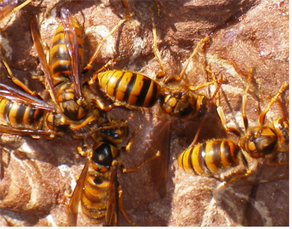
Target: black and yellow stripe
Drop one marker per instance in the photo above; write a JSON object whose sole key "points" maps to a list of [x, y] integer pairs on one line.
{"points": [[97, 185], [62, 71], [19, 115], [59, 59], [210, 158], [128, 88], [95, 195]]}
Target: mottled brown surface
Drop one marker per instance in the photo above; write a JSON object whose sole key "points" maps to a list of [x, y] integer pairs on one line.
{"points": [[246, 34]]}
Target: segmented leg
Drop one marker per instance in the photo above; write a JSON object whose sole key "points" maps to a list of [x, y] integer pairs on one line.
{"points": [[95, 75], [274, 99], [223, 121], [93, 57], [133, 169], [130, 141], [244, 99], [204, 40], [122, 210], [244, 118], [162, 73], [158, 8], [17, 81], [208, 105]]}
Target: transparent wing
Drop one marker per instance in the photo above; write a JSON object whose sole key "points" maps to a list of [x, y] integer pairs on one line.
{"points": [[76, 195]]}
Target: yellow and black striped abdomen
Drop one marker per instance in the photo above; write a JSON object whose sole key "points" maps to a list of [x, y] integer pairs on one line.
{"points": [[62, 67], [99, 182], [128, 88], [210, 158], [59, 58], [94, 199], [19, 115]]}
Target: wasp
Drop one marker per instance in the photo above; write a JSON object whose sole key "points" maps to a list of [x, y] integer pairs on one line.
{"points": [[23, 113], [263, 140], [97, 188], [217, 157], [134, 90], [63, 74]]}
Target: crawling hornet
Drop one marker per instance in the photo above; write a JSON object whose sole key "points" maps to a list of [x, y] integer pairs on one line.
{"points": [[135, 90], [63, 79], [216, 157], [97, 189]]}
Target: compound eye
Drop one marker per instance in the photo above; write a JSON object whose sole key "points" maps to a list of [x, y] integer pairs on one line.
{"points": [[102, 155]]}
